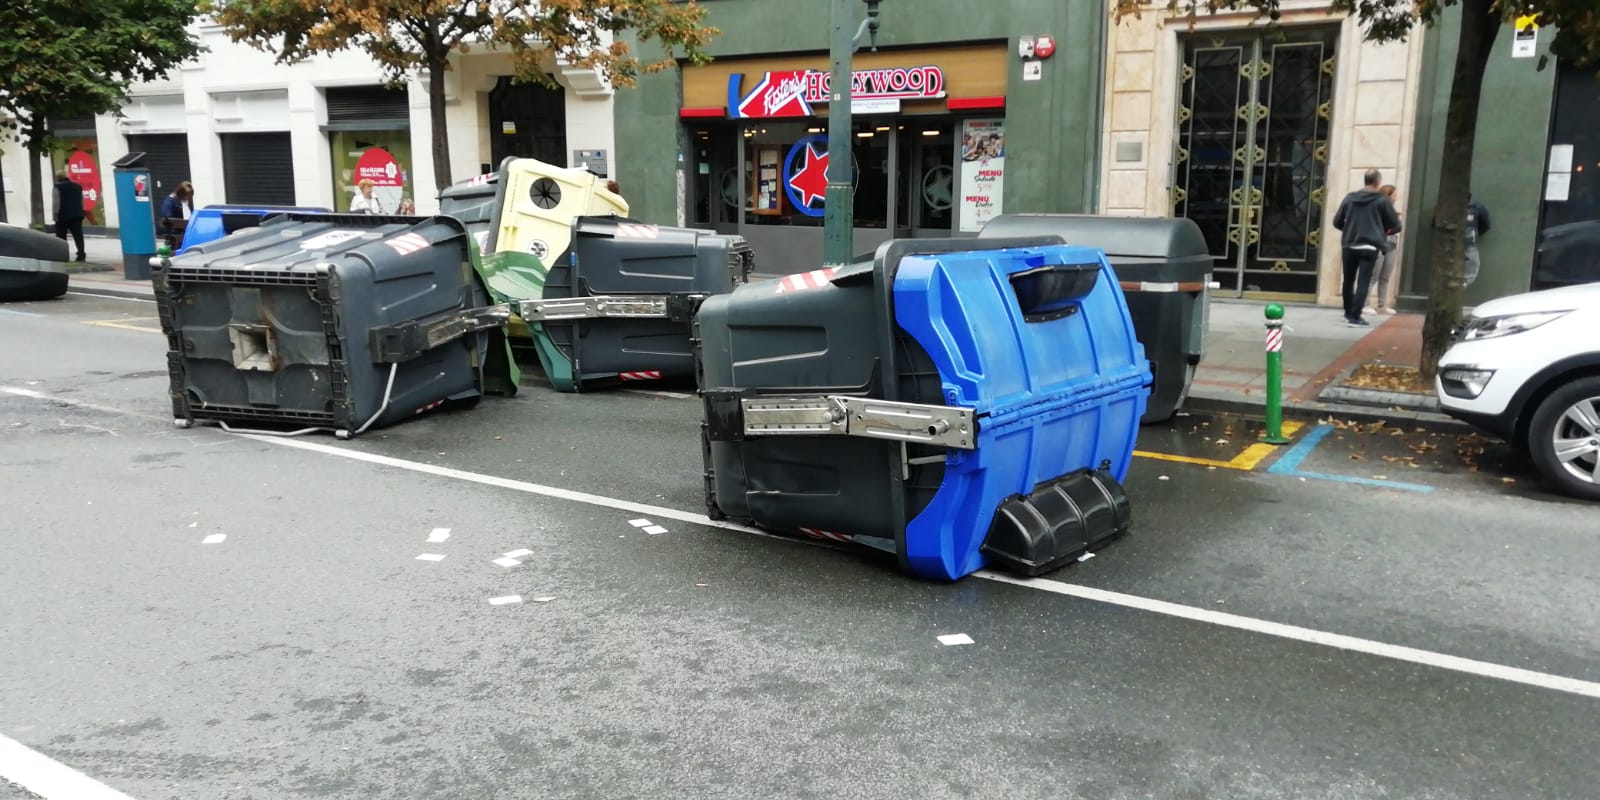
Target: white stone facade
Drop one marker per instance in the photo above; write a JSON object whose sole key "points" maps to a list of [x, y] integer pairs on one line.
{"points": [[235, 88], [1374, 108]]}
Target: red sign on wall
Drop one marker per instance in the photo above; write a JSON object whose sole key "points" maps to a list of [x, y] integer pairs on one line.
{"points": [[83, 170], [791, 93]]}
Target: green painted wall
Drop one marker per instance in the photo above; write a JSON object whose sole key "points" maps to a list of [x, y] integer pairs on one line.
{"points": [[1052, 125], [1507, 167]]}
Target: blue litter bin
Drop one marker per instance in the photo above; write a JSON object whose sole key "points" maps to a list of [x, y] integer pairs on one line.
{"points": [[957, 408], [136, 215]]}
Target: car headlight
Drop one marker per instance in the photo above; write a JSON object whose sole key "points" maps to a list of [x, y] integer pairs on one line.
{"points": [[1490, 327]]}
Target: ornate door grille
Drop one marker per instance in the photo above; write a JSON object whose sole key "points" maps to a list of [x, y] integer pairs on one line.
{"points": [[1251, 161]]}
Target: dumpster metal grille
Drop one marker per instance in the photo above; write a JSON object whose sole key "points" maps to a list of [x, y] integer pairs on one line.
{"points": [[245, 277]]}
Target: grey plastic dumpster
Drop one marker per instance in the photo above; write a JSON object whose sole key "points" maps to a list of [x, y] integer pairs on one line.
{"points": [[1164, 267], [32, 264], [327, 322]]}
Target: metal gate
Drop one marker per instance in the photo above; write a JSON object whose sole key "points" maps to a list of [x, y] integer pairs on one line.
{"points": [[1251, 160], [166, 155]]}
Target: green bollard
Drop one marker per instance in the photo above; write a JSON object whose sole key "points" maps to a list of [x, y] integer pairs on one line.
{"points": [[1274, 376]]}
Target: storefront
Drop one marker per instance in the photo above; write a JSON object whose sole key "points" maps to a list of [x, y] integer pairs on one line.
{"points": [[928, 146], [369, 133], [75, 147]]}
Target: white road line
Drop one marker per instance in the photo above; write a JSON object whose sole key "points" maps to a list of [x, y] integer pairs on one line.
{"points": [[1296, 633], [33, 395], [1202, 615], [660, 393], [514, 485], [49, 778]]}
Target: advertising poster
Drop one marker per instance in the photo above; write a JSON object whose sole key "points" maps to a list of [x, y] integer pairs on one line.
{"points": [[81, 161], [382, 159], [983, 171]]}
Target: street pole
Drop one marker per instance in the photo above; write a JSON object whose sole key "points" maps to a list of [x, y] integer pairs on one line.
{"points": [[1274, 433], [839, 211]]}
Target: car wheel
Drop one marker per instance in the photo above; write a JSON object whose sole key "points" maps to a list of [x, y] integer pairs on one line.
{"points": [[1564, 438]]}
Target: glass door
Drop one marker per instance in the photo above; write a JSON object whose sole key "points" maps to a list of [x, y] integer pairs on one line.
{"points": [[925, 204], [1250, 165]]}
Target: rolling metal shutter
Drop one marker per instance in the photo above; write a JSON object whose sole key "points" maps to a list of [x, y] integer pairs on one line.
{"points": [[258, 168], [166, 155], [351, 107]]}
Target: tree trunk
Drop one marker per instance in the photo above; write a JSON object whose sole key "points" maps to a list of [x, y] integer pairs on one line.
{"points": [[1480, 25], [441, 135], [36, 151]]}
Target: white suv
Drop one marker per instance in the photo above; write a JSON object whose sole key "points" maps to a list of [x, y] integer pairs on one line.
{"points": [[1526, 368]]}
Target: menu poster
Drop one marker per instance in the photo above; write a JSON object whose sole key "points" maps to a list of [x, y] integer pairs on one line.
{"points": [[983, 171]]}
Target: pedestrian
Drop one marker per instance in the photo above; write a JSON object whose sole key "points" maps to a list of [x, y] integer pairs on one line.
{"points": [[1385, 271], [176, 209], [365, 202], [68, 207], [1365, 219], [1477, 225]]}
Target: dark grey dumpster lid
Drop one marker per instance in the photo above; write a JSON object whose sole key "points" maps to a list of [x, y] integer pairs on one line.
{"points": [[1138, 237]]}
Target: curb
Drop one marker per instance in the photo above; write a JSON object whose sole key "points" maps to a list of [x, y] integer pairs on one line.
{"points": [[1437, 423], [98, 290]]}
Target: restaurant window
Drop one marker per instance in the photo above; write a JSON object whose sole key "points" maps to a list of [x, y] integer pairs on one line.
{"points": [[785, 172]]}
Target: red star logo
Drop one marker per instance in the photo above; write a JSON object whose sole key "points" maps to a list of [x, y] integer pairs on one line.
{"points": [[811, 180]]}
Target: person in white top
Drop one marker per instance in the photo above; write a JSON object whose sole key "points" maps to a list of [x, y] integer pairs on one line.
{"points": [[365, 202]]}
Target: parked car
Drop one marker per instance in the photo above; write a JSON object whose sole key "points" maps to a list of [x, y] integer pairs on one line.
{"points": [[1568, 254], [1526, 368]]}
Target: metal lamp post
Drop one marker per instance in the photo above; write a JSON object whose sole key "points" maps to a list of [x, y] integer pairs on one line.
{"points": [[837, 219]]}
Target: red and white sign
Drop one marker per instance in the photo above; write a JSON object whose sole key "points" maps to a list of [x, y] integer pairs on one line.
{"points": [[815, 279], [791, 93], [1044, 47], [83, 170], [646, 375], [408, 243], [628, 230], [378, 166]]}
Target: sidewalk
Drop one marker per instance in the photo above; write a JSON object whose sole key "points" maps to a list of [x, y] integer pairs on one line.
{"points": [[1319, 349]]}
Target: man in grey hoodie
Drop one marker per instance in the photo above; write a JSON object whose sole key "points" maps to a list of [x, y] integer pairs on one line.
{"points": [[1366, 218]]}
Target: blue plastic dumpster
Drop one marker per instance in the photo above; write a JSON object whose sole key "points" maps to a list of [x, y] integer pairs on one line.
{"points": [[211, 223], [958, 408]]}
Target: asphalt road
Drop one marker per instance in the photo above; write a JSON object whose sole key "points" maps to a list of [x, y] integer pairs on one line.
{"points": [[311, 654]]}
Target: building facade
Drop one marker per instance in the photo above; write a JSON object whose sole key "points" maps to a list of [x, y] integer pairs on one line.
{"points": [[245, 130], [1535, 166], [1256, 133], [950, 125]]}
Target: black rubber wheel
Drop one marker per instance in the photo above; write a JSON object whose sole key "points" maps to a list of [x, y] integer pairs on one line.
{"points": [[1564, 438]]}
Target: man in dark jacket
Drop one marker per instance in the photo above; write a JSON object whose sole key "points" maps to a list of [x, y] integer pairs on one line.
{"points": [[1366, 218], [69, 210]]}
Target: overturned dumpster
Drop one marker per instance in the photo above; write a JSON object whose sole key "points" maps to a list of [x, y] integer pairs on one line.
{"points": [[322, 322], [32, 264], [1164, 267], [606, 299], [958, 408]]}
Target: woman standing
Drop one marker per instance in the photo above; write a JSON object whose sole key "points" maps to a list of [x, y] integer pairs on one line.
{"points": [[1386, 264], [365, 202]]}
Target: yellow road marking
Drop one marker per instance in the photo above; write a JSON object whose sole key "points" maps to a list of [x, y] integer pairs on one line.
{"points": [[117, 323], [1245, 461]]}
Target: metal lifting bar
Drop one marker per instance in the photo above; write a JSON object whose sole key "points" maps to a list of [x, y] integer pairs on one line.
{"points": [[837, 415], [676, 307]]}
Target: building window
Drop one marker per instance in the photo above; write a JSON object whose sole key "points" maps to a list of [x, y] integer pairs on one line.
{"points": [[784, 174]]}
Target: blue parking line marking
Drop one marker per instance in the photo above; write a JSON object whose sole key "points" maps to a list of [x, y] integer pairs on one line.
{"points": [[1291, 460], [1289, 465]]}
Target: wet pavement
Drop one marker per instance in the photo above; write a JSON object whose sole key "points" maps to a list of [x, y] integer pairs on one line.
{"points": [[311, 653]]}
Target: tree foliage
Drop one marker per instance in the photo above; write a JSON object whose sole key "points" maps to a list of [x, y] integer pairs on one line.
{"points": [[76, 58], [408, 36], [1576, 24]]}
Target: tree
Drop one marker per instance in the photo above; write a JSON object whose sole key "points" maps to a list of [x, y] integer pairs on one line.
{"points": [[404, 36], [1577, 40], [76, 58]]}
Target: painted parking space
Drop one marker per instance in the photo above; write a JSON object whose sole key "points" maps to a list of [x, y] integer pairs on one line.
{"points": [[1211, 441]]}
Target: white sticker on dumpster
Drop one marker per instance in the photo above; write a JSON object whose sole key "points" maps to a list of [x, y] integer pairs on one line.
{"points": [[329, 240]]}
